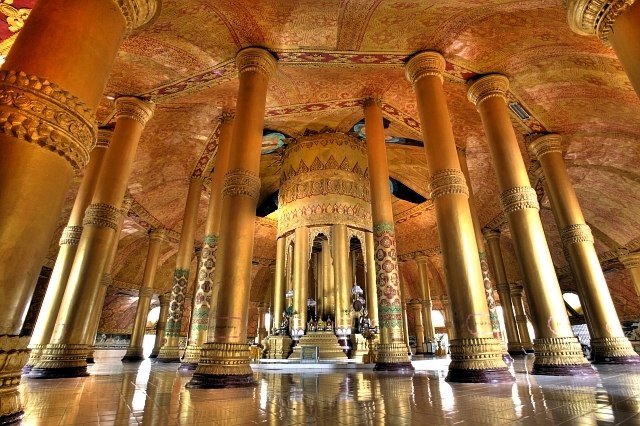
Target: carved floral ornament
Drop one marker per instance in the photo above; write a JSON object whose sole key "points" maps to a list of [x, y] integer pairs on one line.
{"points": [[595, 17], [138, 13], [425, 64]]}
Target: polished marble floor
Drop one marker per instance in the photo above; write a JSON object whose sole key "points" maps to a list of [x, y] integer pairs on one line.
{"points": [[154, 394]]}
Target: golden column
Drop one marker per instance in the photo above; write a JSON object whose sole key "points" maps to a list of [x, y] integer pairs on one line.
{"points": [[417, 318], [134, 351], [615, 22], [300, 281], [170, 351], [51, 83], [476, 356], [514, 346], [224, 360], [96, 309], [65, 355], [608, 343], [342, 284], [68, 246], [372, 290], [448, 317], [279, 289], [205, 295], [165, 300], [558, 351], [392, 353], [482, 254], [521, 317], [425, 293], [329, 280], [262, 331], [631, 262]]}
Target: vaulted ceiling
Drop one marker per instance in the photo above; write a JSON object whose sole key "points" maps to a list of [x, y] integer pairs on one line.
{"points": [[332, 53]]}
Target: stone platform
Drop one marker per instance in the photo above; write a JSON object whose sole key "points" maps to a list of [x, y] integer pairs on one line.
{"points": [[325, 341]]}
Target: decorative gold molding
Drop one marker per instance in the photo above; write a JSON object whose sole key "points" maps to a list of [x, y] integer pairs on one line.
{"points": [[241, 183], [134, 109], [13, 356], [138, 13], [630, 260], [104, 138], [490, 234], [577, 233], [546, 144], [518, 198], [146, 292], [102, 215], [595, 17], [447, 182], [258, 60], [424, 64], [487, 86], [71, 235], [476, 354], [36, 110], [157, 234]]}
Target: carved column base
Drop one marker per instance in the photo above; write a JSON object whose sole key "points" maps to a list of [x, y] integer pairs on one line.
{"points": [[477, 360], [560, 357], [133, 355], [613, 350], [393, 357], [191, 358], [223, 365], [90, 358], [34, 357], [60, 360], [13, 356], [168, 354], [516, 349]]}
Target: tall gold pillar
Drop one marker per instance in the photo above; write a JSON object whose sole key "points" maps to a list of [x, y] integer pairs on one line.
{"points": [[65, 355], [514, 346], [96, 309], [615, 22], [416, 307], [392, 353], [558, 351], [205, 296], [425, 293], [224, 360], [372, 290], [608, 343], [68, 247], [51, 83], [279, 301], [631, 262], [165, 300], [300, 281], [476, 355], [134, 351], [342, 284], [329, 281], [262, 331], [170, 351], [521, 317], [448, 317], [482, 254]]}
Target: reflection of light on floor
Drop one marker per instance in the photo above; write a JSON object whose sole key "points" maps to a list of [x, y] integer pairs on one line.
{"points": [[263, 394], [140, 393]]}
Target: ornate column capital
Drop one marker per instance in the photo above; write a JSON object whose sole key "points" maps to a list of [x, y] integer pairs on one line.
{"points": [[594, 17], [256, 59], [134, 109], [629, 260], [371, 99], [421, 259], [157, 234], [518, 198], [491, 234], [104, 137], [487, 86], [101, 215], [516, 289], [424, 64], [138, 13], [164, 299], [576, 233], [127, 202], [241, 183], [447, 182], [146, 292], [226, 116], [71, 235], [546, 144]]}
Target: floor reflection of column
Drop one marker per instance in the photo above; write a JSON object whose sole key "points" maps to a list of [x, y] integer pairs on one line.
{"points": [[159, 399], [127, 389]]}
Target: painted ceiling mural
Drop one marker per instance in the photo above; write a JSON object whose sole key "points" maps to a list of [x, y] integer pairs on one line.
{"points": [[332, 53]]}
